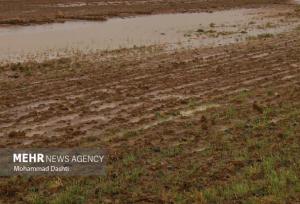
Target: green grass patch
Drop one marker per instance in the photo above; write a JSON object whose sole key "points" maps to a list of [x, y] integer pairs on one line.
{"points": [[74, 194]]}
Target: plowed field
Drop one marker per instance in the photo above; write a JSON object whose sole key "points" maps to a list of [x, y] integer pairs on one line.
{"points": [[202, 125]]}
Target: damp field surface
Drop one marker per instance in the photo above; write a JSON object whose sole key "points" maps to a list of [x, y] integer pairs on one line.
{"points": [[215, 119]]}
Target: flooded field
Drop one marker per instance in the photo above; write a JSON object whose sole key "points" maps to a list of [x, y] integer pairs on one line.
{"points": [[19, 12], [171, 30], [198, 102]]}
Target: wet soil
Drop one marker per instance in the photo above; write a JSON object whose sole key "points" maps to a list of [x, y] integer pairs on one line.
{"points": [[146, 100], [47, 100], [203, 125]]}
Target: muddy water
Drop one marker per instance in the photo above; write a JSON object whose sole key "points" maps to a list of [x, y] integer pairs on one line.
{"points": [[17, 43]]}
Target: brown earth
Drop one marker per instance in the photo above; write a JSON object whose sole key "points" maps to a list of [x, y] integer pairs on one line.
{"points": [[184, 115], [68, 96], [207, 125], [45, 11]]}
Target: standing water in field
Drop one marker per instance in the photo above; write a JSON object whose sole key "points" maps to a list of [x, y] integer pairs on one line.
{"points": [[186, 30]]}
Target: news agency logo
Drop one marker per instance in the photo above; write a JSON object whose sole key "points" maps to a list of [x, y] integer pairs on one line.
{"points": [[56, 161], [28, 158], [42, 158]]}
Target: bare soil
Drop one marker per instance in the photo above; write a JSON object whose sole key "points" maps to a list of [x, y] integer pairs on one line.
{"points": [[185, 118], [204, 125]]}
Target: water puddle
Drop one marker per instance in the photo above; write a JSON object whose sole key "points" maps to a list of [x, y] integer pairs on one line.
{"points": [[184, 113], [190, 112], [173, 30], [297, 1], [106, 3]]}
